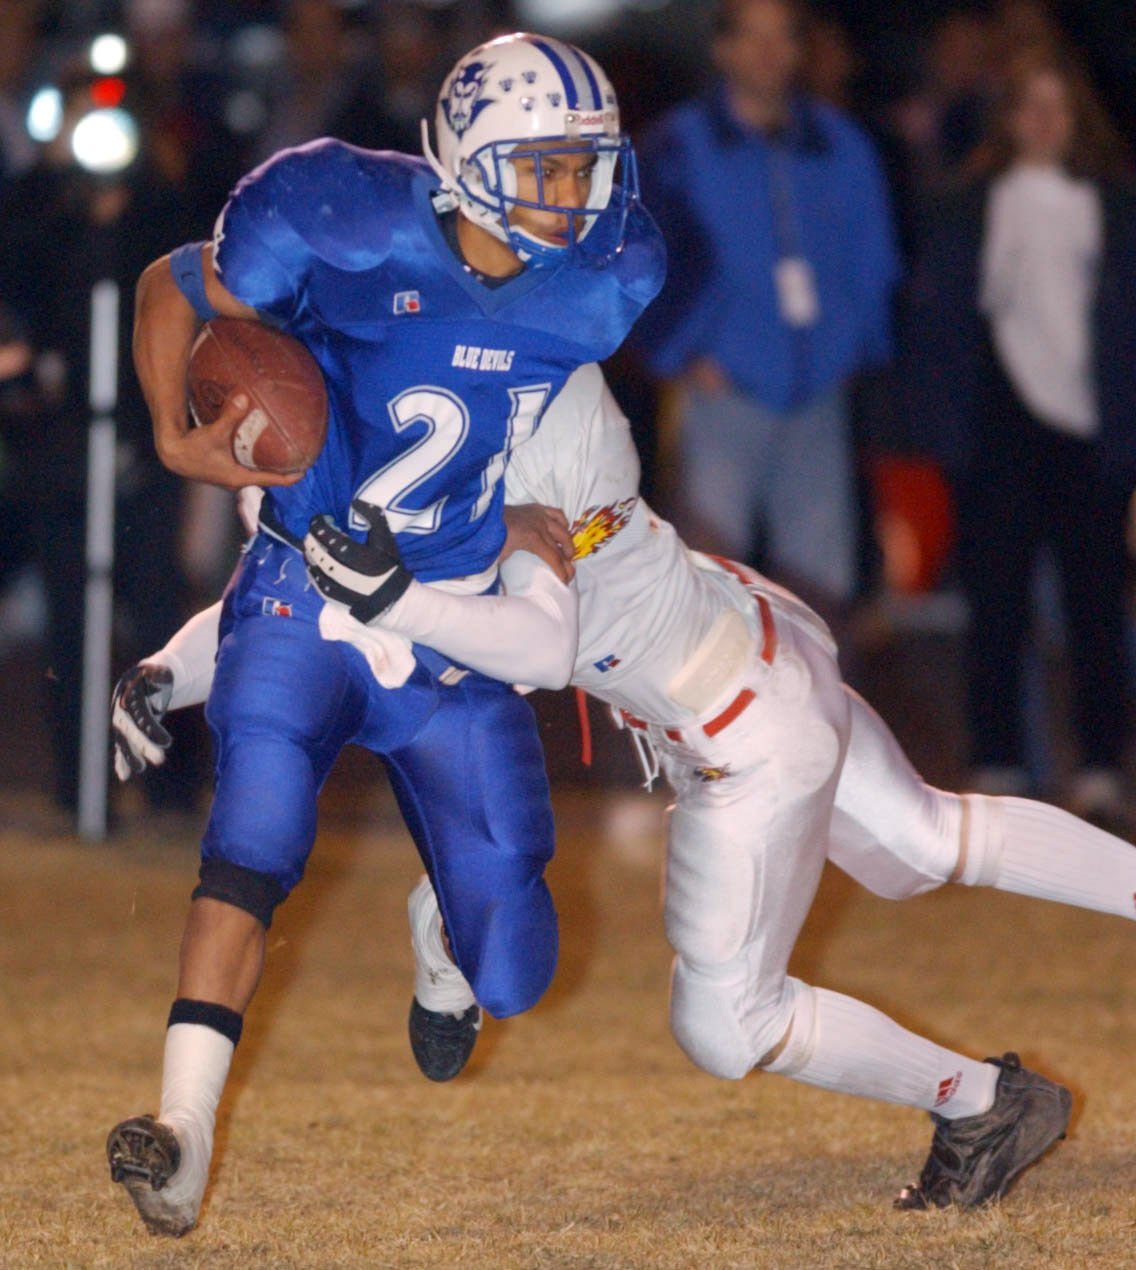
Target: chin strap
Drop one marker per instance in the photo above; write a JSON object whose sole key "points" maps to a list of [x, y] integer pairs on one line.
{"points": [[433, 160], [447, 199]]}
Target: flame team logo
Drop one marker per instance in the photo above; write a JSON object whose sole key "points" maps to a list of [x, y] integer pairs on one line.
{"points": [[464, 102], [598, 526], [708, 774]]}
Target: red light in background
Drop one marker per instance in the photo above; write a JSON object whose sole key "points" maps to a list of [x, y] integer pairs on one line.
{"points": [[108, 92]]}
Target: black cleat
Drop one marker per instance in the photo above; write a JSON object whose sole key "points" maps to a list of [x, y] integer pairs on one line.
{"points": [[143, 1155], [443, 1033], [442, 1043], [143, 1149], [975, 1159]]}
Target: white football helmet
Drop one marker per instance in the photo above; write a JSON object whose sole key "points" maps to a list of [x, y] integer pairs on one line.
{"points": [[516, 90]]}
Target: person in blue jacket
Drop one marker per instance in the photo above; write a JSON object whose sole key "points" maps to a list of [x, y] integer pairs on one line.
{"points": [[782, 262]]}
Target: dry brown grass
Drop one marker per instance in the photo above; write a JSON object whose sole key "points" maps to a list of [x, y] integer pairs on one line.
{"points": [[580, 1136]]}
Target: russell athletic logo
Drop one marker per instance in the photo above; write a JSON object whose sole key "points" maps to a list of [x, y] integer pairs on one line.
{"points": [[948, 1087]]}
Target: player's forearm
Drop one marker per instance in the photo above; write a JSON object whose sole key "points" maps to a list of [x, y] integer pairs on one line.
{"points": [[165, 324], [528, 636], [164, 328], [190, 655]]}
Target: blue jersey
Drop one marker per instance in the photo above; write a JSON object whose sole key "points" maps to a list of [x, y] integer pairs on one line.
{"points": [[432, 377]]}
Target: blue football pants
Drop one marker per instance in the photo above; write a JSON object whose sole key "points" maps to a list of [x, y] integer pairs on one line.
{"points": [[464, 761]]}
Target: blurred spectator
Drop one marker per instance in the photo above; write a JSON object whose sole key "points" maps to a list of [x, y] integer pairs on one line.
{"points": [[318, 76], [411, 48], [19, 41], [939, 123], [1020, 353], [831, 64], [179, 98], [781, 267], [224, 17], [1025, 27], [15, 362], [63, 229], [180, 92]]}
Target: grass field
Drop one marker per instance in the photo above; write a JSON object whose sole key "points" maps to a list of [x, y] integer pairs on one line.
{"points": [[579, 1136]]}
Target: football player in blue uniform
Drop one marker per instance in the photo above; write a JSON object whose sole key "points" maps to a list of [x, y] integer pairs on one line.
{"points": [[446, 300]]}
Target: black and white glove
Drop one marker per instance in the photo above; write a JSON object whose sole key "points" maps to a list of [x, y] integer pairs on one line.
{"points": [[366, 577], [137, 707]]}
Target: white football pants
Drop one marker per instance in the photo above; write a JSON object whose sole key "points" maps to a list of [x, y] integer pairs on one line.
{"points": [[807, 772]]}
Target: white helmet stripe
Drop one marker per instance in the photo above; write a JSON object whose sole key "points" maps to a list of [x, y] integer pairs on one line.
{"points": [[582, 92]]}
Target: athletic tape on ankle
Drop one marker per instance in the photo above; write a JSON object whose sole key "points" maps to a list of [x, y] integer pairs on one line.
{"points": [[982, 836], [795, 1049], [218, 1017]]}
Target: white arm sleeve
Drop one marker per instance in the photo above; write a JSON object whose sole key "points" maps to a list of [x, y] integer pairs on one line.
{"points": [[190, 656], [527, 636]]}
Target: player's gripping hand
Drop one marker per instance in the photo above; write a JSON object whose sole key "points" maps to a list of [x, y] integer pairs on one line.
{"points": [[367, 577], [138, 706], [543, 531], [206, 453]]}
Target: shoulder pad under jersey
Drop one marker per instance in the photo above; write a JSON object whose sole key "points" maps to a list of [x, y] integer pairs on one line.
{"points": [[325, 201]]}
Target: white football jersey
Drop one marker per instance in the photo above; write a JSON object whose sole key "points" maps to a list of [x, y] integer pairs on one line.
{"points": [[646, 602]]}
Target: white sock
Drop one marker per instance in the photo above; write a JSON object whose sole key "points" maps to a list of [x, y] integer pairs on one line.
{"points": [[1032, 848], [438, 984], [839, 1043], [194, 1072]]}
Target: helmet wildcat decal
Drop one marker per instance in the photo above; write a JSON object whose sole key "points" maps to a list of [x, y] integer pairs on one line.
{"points": [[464, 101]]}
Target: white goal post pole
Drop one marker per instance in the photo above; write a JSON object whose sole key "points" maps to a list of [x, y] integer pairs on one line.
{"points": [[98, 598]]}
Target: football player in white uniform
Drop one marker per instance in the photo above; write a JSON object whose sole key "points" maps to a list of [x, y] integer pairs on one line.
{"points": [[730, 685]]}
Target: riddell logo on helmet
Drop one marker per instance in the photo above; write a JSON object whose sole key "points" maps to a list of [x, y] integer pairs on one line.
{"points": [[589, 120]]}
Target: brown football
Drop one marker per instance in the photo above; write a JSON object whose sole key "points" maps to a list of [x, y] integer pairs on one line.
{"points": [[286, 425]]}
